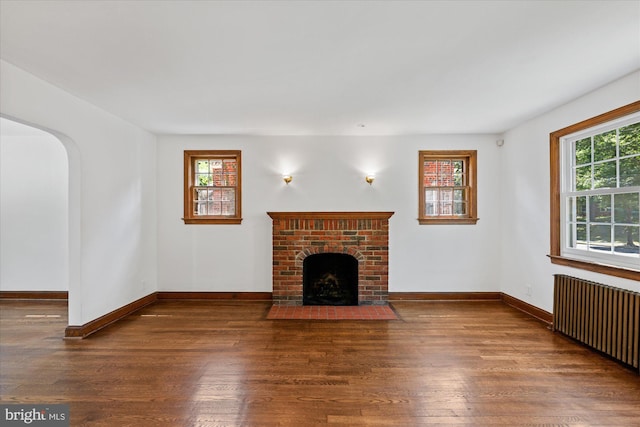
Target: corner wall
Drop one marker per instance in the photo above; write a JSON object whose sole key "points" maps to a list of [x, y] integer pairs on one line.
{"points": [[525, 203], [112, 208]]}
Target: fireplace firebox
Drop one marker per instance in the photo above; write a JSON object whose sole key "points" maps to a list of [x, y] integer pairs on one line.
{"points": [[362, 236], [330, 279]]}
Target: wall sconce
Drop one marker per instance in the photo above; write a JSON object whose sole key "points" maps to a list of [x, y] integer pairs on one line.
{"points": [[369, 179], [287, 178]]}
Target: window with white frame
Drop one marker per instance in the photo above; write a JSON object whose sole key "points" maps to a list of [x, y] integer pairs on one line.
{"points": [[600, 193]]}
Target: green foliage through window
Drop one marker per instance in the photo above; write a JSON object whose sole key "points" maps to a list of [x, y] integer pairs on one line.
{"points": [[605, 210]]}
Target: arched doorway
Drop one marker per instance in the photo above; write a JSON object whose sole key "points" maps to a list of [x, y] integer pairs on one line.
{"points": [[34, 248], [40, 221]]}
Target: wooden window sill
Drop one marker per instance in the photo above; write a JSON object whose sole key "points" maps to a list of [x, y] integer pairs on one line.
{"points": [[212, 220], [435, 221], [625, 273]]}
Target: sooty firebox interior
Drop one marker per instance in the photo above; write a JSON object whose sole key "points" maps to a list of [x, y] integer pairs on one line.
{"points": [[330, 279]]}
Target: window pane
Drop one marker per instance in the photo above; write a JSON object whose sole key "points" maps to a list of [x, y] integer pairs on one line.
{"points": [[430, 208], [458, 173], [459, 208], [431, 195], [202, 166], [459, 195], [581, 236], [229, 172], [583, 151], [600, 237], [430, 173], [630, 171], [201, 208], [215, 209], [630, 139], [600, 208], [445, 173], [216, 172], [228, 208], [604, 146], [203, 180], [446, 208], [583, 178], [581, 208], [604, 175], [627, 239], [626, 208], [228, 195]]}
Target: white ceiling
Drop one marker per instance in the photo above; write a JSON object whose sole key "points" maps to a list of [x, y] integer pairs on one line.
{"points": [[323, 67]]}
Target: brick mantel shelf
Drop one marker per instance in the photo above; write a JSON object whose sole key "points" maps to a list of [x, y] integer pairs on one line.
{"points": [[330, 215], [363, 235]]}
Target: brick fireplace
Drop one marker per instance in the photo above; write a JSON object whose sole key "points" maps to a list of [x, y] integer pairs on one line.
{"points": [[363, 235]]}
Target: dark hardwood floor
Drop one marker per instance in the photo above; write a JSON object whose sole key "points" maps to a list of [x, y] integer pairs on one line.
{"points": [[219, 363]]}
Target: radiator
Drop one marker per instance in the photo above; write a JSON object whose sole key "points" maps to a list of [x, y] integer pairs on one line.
{"points": [[600, 316]]}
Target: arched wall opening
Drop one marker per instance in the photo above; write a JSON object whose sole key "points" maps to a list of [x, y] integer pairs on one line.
{"points": [[40, 220]]}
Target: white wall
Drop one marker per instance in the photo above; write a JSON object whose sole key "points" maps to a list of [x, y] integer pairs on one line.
{"points": [[116, 222], [34, 205], [112, 211], [525, 203], [328, 175]]}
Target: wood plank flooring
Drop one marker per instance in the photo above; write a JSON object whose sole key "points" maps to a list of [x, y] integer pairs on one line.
{"points": [[222, 363]]}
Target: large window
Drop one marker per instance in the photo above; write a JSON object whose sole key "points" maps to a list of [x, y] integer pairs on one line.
{"points": [[212, 187], [447, 187], [595, 216]]}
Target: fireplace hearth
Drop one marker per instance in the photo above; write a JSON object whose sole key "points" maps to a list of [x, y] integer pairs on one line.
{"points": [[362, 237]]}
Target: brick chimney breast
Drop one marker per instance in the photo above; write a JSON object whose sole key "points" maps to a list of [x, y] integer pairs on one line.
{"points": [[364, 235]]}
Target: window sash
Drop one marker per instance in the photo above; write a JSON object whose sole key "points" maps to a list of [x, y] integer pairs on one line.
{"points": [[587, 237], [446, 202]]}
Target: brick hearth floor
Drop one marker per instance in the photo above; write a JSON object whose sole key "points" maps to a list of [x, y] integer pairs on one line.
{"points": [[330, 312]]}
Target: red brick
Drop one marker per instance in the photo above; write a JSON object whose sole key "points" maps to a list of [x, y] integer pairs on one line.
{"points": [[366, 239]]}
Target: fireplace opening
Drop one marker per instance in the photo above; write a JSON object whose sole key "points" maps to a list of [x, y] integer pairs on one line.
{"points": [[330, 279]]}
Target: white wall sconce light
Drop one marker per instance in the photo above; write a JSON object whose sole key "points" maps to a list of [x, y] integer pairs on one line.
{"points": [[369, 179], [287, 179]]}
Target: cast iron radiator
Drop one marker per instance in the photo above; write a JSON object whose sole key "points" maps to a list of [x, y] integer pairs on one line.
{"points": [[600, 316]]}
